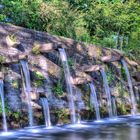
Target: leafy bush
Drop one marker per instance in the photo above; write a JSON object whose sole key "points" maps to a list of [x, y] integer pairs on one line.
{"points": [[58, 89], [91, 21]]}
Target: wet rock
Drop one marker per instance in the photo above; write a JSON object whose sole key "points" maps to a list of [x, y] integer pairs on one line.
{"points": [[91, 68], [136, 76], [110, 58], [57, 103], [44, 47], [130, 62], [12, 90]]}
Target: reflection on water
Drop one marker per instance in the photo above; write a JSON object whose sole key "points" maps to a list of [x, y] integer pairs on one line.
{"points": [[104, 132]]}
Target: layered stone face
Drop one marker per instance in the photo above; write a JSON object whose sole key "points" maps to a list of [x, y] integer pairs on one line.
{"points": [[41, 52]]}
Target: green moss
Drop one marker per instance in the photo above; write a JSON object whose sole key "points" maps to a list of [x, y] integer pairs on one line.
{"points": [[15, 84], [7, 110], [62, 115], [40, 79], [110, 76], [39, 75], [2, 59], [36, 48], [13, 37], [38, 83], [122, 109], [17, 114], [70, 62], [58, 89], [123, 74]]}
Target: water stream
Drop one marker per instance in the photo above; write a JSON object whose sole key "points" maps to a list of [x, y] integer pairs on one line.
{"points": [[68, 84], [132, 96], [3, 106], [108, 94], [114, 106], [46, 111], [27, 89], [94, 100]]}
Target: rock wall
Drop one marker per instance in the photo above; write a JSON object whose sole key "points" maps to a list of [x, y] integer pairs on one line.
{"points": [[41, 51]]}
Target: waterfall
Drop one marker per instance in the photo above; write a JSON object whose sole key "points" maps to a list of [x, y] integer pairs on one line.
{"points": [[27, 89], [46, 111], [114, 106], [108, 94], [132, 96], [3, 106], [94, 101], [69, 84]]}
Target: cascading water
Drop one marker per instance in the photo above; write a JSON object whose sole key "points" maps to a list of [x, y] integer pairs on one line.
{"points": [[27, 89], [94, 100], [46, 111], [47, 84], [3, 106], [114, 106], [132, 96], [79, 103], [69, 84], [108, 94]]}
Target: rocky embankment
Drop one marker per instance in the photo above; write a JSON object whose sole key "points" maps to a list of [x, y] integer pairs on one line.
{"points": [[41, 51]]}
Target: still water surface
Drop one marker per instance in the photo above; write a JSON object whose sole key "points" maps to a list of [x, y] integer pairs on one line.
{"points": [[128, 131]]}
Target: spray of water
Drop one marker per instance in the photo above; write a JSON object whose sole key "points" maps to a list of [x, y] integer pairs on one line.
{"points": [[69, 84], [3, 106], [132, 96], [94, 100], [27, 89], [108, 94], [46, 111]]}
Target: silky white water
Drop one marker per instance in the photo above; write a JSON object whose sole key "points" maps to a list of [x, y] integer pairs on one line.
{"points": [[94, 101], [107, 91], [27, 89], [132, 96], [68, 84], [46, 111], [3, 106]]}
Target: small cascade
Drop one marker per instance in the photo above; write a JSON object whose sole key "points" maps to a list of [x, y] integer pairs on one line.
{"points": [[69, 84], [3, 106], [94, 101], [78, 117], [46, 111], [79, 103], [27, 89], [108, 94], [132, 96], [114, 106]]}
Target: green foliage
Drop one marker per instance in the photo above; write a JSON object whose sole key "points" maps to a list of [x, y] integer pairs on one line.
{"points": [[2, 59], [122, 109], [124, 76], [38, 83], [133, 48], [54, 17], [91, 21], [39, 75], [110, 77], [107, 18], [58, 89], [15, 83], [70, 62], [7, 110], [2, 17], [35, 49], [13, 37], [40, 79], [16, 114], [62, 115]]}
